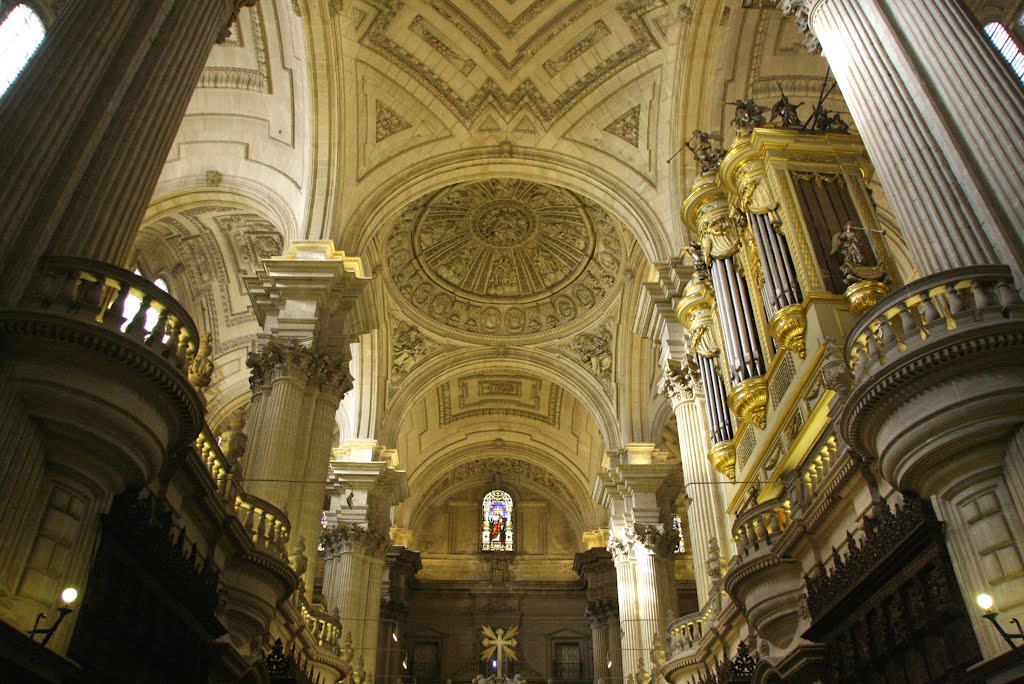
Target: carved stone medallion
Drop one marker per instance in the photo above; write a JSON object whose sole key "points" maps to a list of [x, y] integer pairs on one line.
{"points": [[504, 258]]}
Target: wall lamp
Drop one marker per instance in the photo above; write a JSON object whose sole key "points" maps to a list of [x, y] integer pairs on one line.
{"points": [[985, 602], [67, 597]]}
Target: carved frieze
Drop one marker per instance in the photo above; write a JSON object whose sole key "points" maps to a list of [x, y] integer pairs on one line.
{"points": [[594, 351]]}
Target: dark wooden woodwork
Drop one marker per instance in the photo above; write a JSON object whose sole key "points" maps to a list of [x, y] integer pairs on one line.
{"points": [[890, 609], [148, 614]]}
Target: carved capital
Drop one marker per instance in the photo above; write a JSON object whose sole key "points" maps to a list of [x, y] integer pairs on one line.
{"points": [[350, 537], [290, 359], [680, 381], [236, 6], [658, 541], [801, 10]]}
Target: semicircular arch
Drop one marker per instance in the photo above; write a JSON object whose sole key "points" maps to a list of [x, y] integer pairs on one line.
{"points": [[583, 386]]}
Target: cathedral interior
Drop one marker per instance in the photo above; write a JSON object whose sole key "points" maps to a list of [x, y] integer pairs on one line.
{"points": [[543, 341]]}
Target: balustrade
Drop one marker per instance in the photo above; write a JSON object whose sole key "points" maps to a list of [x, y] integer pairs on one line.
{"points": [[325, 628], [267, 526], [913, 315], [759, 527], [96, 292]]}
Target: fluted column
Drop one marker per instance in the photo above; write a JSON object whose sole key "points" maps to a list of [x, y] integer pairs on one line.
{"points": [[705, 509], [353, 582], [291, 430], [363, 488], [597, 570], [80, 163], [308, 302], [598, 641], [940, 115], [638, 489]]}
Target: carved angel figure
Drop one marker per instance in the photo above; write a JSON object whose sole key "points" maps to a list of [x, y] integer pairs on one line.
{"points": [[849, 245]]}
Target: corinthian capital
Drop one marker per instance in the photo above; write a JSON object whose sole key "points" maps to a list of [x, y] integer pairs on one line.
{"points": [[680, 380], [291, 359], [351, 537], [801, 9], [657, 541]]}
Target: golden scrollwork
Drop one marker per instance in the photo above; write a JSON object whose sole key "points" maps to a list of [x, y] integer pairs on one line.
{"points": [[789, 328], [749, 401], [864, 294]]}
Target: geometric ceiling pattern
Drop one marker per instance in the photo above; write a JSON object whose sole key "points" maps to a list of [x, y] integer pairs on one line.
{"points": [[504, 259], [540, 55]]}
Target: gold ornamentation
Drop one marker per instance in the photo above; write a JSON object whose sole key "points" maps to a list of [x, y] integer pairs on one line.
{"points": [[789, 327], [723, 458], [749, 401], [865, 294]]}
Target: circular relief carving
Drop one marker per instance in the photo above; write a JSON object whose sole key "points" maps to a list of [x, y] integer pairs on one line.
{"points": [[503, 223], [496, 254]]}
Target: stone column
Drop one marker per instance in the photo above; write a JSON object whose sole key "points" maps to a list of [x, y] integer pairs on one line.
{"points": [[353, 573], [308, 304], [89, 124], [638, 490], [940, 115], [597, 570], [363, 488], [705, 509]]}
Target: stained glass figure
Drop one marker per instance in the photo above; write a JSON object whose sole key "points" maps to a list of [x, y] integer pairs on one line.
{"points": [[497, 530]]}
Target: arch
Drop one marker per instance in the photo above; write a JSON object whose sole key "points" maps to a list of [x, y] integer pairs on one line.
{"points": [[584, 387], [473, 467], [172, 198], [376, 211]]}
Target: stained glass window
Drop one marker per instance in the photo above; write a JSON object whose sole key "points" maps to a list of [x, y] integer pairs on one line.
{"points": [[497, 521]]}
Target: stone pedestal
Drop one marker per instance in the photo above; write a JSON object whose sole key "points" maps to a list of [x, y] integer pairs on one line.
{"points": [[940, 115]]}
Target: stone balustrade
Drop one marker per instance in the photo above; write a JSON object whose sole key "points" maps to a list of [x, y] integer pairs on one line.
{"points": [[267, 526], [325, 628], [929, 427], [758, 527], [686, 632], [96, 292], [912, 316], [225, 480]]}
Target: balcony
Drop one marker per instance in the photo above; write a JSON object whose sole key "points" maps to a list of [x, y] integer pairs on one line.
{"points": [[765, 582], [938, 379], [107, 387]]}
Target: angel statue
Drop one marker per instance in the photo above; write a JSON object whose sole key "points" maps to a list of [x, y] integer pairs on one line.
{"points": [[848, 245]]}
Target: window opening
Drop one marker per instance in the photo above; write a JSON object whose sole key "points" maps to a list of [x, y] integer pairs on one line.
{"points": [[20, 35], [1006, 46], [497, 532]]}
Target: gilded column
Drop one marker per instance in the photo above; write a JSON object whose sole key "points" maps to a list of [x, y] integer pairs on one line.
{"points": [[940, 115], [80, 163]]}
